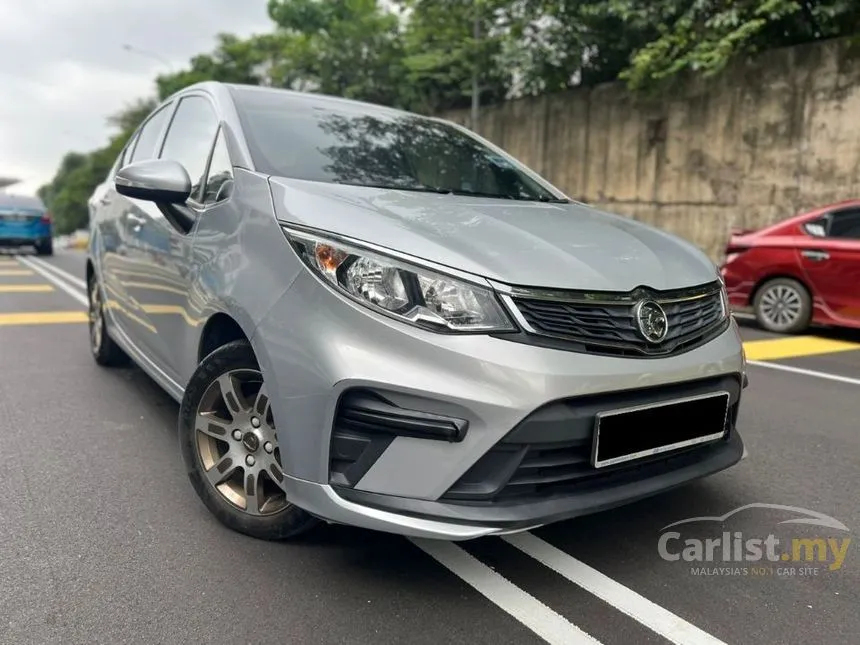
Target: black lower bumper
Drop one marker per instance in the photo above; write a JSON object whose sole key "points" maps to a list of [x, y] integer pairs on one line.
{"points": [[652, 478], [15, 242]]}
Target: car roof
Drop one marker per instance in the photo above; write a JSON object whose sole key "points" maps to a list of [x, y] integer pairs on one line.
{"points": [[11, 200], [312, 100], [231, 91]]}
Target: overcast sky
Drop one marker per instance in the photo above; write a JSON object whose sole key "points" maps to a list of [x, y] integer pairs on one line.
{"points": [[64, 69]]}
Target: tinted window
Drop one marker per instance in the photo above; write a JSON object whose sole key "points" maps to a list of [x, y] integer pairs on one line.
{"points": [[148, 137], [189, 139], [845, 224], [320, 140], [219, 179]]}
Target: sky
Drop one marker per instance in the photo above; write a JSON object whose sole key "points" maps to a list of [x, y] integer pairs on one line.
{"points": [[64, 68]]}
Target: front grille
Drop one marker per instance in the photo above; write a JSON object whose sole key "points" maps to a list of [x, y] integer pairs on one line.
{"points": [[549, 453], [605, 323]]}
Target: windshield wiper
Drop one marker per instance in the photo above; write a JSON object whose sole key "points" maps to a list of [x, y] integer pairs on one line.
{"points": [[421, 188], [415, 188], [475, 193]]}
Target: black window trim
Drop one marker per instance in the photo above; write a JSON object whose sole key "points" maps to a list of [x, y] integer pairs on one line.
{"points": [[169, 107], [192, 203], [204, 207]]}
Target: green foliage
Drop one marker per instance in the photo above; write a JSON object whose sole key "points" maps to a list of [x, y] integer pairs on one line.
{"points": [[441, 54], [703, 36]]}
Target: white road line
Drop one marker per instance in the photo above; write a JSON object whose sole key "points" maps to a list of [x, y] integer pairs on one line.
{"points": [[69, 289], [65, 275], [527, 609], [806, 372], [653, 616]]}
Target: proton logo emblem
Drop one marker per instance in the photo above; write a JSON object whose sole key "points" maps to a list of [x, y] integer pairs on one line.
{"points": [[651, 320]]}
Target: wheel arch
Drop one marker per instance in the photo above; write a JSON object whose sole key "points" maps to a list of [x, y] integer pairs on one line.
{"points": [[221, 328], [786, 275]]}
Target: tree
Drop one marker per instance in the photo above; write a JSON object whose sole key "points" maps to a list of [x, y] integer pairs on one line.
{"points": [[704, 36], [67, 193], [349, 48], [234, 60], [441, 54]]}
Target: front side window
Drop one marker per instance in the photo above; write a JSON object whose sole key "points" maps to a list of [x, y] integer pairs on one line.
{"points": [[189, 139], [339, 143], [149, 135], [125, 158]]}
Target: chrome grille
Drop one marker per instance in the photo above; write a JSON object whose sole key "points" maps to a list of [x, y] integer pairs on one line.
{"points": [[606, 323]]}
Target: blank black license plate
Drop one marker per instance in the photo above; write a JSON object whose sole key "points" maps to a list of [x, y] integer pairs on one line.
{"points": [[647, 430]]}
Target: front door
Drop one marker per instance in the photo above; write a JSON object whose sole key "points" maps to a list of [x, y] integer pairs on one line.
{"points": [[162, 250]]}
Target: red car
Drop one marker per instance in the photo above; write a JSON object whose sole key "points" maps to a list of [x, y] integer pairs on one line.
{"points": [[801, 271]]}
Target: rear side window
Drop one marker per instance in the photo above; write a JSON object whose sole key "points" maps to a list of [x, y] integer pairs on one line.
{"points": [[190, 138], [845, 225], [149, 134]]}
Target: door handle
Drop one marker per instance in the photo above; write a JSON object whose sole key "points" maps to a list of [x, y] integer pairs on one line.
{"points": [[816, 256]]}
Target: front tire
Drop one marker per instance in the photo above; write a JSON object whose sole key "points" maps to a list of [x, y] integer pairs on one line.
{"points": [[230, 447], [105, 351], [783, 306]]}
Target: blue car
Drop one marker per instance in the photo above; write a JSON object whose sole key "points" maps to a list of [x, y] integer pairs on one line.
{"points": [[24, 221]]}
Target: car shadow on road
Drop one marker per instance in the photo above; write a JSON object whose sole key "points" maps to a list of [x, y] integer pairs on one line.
{"points": [[833, 333]]}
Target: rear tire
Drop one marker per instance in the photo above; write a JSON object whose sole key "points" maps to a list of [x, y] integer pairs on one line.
{"points": [[105, 351], [783, 306], [230, 447], [45, 248]]}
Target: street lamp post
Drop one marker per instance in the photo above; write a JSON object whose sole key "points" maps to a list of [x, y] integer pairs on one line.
{"points": [[148, 54], [476, 71]]}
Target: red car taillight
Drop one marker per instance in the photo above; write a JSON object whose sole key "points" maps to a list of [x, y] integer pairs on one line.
{"points": [[46, 218]]}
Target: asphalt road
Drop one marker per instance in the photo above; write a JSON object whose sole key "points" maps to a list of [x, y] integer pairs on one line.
{"points": [[102, 539]]}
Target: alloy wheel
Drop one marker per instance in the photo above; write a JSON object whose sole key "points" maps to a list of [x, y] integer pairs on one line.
{"points": [[781, 305], [237, 443]]}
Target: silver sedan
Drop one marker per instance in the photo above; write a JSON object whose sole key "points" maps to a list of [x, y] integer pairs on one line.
{"points": [[380, 319]]}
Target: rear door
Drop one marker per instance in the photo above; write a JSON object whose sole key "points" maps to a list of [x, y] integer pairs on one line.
{"points": [[161, 252], [830, 256]]}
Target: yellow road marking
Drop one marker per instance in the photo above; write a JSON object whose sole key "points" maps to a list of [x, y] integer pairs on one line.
{"points": [[25, 288], [43, 318], [15, 272], [795, 347]]}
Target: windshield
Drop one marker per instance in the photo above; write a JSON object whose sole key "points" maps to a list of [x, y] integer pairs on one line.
{"points": [[304, 138]]}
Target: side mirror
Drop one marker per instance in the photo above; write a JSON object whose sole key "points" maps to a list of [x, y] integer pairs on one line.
{"points": [[155, 180]]}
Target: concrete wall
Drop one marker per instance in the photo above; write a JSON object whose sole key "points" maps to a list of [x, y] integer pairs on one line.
{"points": [[763, 141]]}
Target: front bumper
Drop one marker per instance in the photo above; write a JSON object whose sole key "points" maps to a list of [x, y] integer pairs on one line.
{"points": [[316, 347]]}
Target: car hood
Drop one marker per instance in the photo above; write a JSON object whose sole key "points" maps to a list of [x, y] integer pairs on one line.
{"points": [[563, 246]]}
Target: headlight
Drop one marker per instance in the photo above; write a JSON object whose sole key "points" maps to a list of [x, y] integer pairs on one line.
{"points": [[404, 291]]}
